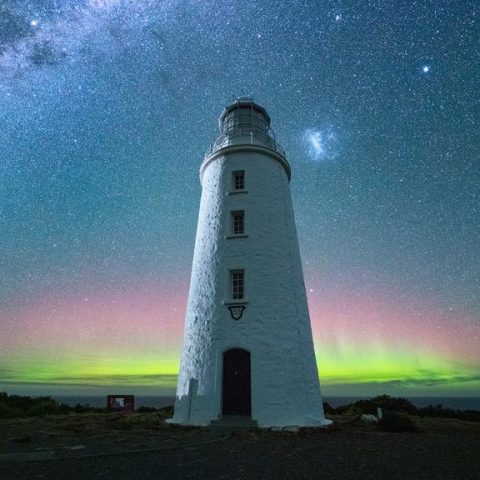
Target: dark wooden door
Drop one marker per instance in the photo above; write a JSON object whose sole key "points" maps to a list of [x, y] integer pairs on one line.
{"points": [[236, 383]]}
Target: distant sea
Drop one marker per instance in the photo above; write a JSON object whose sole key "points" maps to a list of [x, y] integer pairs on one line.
{"points": [[457, 403]]}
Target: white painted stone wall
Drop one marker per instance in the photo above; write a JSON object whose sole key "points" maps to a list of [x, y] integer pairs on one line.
{"points": [[275, 326]]}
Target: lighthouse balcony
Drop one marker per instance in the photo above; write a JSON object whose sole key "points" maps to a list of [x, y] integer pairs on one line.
{"points": [[245, 137]]}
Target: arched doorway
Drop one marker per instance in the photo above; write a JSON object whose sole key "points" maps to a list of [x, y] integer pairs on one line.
{"points": [[236, 397]]}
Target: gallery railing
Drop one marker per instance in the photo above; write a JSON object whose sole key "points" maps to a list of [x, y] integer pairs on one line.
{"points": [[244, 138]]}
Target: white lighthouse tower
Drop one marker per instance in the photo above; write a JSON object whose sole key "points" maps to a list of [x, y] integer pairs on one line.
{"points": [[248, 349]]}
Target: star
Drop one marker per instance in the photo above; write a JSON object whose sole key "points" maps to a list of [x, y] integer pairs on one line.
{"points": [[108, 107]]}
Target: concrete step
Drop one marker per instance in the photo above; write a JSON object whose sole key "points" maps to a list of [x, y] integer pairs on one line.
{"points": [[234, 422]]}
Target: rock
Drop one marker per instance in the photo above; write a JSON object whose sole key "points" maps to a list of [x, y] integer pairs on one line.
{"points": [[368, 418]]}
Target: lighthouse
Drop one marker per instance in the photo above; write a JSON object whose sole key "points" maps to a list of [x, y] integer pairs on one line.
{"points": [[247, 351]]}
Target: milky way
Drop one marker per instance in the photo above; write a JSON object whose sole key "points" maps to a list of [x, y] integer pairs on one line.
{"points": [[107, 108]]}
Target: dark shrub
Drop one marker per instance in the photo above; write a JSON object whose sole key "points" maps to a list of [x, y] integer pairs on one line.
{"points": [[78, 408], [446, 412], [6, 411], [328, 409], [63, 408], [12, 406], [397, 422], [385, 402], [469, 415], [42, 406], [401, 405], [146, 409], [168, 411]]}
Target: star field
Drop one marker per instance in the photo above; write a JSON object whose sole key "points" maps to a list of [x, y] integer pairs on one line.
{"points": [[107, 108]]}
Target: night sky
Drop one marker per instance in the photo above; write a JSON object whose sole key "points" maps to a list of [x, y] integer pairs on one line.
{"points": [[107, 108]]}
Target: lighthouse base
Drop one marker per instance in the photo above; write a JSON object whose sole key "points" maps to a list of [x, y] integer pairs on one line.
{"points": [[240, 423], [206, 410]]}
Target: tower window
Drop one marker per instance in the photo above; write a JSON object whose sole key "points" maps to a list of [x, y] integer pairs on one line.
{"points": [[238, 284], [238, 222], [239, 180]]}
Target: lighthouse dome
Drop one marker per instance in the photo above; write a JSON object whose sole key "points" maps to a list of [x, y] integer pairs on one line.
{"points": [[244, 115], [245, 123]]}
